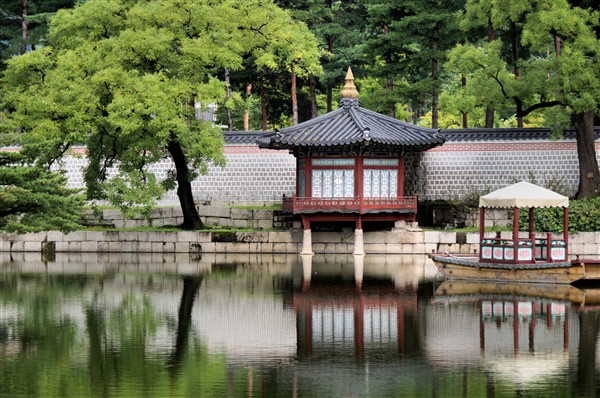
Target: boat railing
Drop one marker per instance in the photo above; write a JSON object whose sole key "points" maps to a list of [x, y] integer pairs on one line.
{"points": [[529, 250]]}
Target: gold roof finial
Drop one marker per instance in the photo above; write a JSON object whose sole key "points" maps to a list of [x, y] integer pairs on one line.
{"points": [[349, 90]]}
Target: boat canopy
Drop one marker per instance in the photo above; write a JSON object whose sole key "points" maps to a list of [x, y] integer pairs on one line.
{"points": [[523, 195]]}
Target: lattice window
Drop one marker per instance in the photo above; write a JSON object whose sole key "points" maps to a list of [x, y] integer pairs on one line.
{"points": [[336, 183]]}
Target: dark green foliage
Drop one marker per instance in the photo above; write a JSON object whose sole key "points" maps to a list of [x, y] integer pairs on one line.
{"points": [[35, 199], [39, 13], [584, 216]]}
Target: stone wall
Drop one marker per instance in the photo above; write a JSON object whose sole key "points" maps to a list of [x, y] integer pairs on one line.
{"points": [[217, 215], [256, 176], [456, 169], [389, 242]]}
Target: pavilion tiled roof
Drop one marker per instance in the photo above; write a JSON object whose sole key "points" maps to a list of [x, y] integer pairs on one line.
{"points": [[353, 126]]}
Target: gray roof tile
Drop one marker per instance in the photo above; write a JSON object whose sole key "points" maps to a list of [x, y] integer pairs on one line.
{"points": [[352, 125]]}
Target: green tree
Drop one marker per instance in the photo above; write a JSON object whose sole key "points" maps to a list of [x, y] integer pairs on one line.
{"points": [[35, 199], [24, 24], [547, 61], [407, 42], [123, 77], [340, 29]]}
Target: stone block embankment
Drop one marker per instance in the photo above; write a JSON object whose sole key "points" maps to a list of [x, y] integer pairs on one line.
{"points": [[224, 216], [384, 242]]}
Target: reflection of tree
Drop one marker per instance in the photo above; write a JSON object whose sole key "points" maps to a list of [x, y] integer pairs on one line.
{"points": [[589, 326], [95, 326], [104, 336], [37, 341], [191, 284]]}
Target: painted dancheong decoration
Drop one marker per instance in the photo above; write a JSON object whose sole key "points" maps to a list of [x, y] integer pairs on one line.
{"points": [[538, 257]]}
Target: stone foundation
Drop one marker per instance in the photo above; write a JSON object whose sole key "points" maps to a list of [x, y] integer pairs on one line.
{"points": [[223, 216], [388, 242]]}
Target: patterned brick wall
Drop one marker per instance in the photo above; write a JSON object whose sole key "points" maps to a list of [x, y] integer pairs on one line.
{"points": [[456, 169], [449, 171], [251, 175]]}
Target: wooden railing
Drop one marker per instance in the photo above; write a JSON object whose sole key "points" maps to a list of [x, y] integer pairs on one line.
{"points": [[407, 204], [499, 250]]}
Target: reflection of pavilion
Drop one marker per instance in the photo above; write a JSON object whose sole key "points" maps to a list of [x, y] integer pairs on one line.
{"points": [[522, 338], [352, 318]]}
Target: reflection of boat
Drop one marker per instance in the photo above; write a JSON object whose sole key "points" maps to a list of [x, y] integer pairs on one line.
{"points": [[474, 291], [453, 291], [540, 259]]}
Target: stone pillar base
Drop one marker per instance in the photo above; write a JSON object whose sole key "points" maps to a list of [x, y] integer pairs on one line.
{"points": [[307, 243], [359, 247]]}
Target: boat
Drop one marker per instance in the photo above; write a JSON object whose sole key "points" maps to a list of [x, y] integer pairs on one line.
{"points": [[534, 258]]}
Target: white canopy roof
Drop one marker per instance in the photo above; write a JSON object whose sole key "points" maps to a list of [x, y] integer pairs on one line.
{"points": [[523, 194]]}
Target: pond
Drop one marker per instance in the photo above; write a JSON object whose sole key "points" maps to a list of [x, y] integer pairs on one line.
{"points": [[142, 325]]}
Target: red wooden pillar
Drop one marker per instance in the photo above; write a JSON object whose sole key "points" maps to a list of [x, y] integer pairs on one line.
{"points": [[305, 222], [481, 227], [359, 177], [516, 234], [308, 177], [566, 231], [359, 182], [400, 177]]}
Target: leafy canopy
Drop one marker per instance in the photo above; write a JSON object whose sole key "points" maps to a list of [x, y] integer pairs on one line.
{"points": [[122, 77]]}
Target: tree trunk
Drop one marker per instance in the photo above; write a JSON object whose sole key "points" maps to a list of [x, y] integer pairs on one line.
{"points": [[489, 110], [314, 111], [389, 84], [515, 57], [247, 111], [24, 31], [294, 99], [465, 116], [330, 39], [191, 218], [263, 105], [489, 117], [228, 96], [434, 75], [589, 179]]}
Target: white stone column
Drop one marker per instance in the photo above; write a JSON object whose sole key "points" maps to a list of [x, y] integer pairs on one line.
{"points": [[359, 247], [307, 243]]}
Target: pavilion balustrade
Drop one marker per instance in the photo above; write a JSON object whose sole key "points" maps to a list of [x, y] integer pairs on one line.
{"points": [[356, 204]]}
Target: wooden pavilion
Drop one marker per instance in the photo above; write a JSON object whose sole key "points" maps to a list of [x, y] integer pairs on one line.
{"points": [[350, 166]]}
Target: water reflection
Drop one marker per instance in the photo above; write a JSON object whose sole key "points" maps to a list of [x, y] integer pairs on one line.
{"points": [[291, 326]]}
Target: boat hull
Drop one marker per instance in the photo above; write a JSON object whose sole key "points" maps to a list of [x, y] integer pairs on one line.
{"points": [[469, 268]]}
